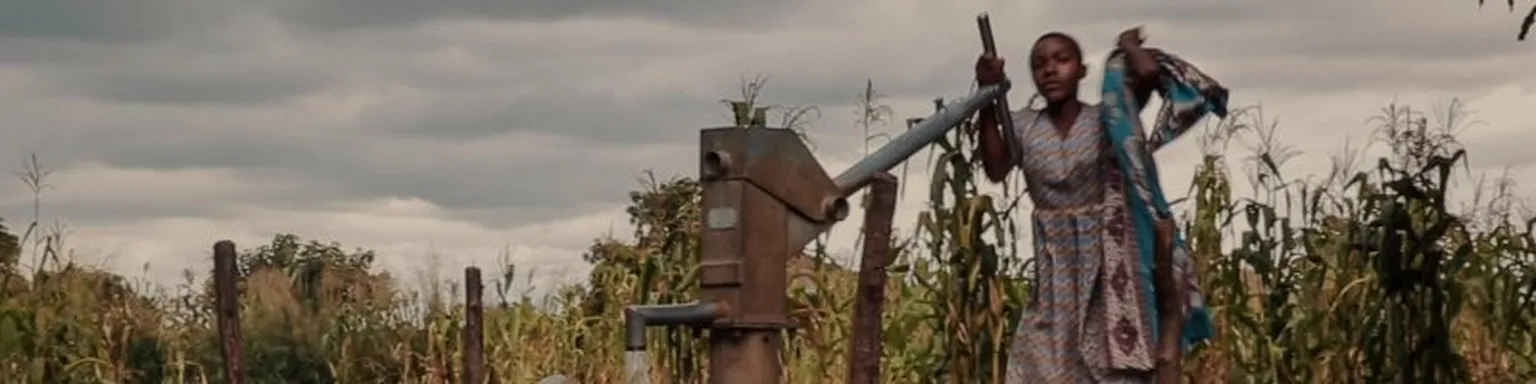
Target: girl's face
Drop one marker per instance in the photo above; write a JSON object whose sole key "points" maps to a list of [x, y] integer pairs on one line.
{"points": [[1057, 69]]}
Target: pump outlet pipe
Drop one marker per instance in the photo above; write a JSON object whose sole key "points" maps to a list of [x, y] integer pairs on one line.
{"points": [[637, 318]]}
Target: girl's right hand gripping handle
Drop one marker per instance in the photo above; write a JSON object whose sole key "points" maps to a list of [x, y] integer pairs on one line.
{"points": [[1004, 113]]}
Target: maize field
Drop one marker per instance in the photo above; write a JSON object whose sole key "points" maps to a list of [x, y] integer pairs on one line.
{"points": [[1368, 273]]}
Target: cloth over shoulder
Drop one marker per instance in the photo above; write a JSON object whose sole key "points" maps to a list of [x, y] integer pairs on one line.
{"points": [[1188, 95]]}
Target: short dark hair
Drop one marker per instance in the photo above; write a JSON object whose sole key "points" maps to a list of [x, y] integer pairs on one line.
{"points": [[1071, 42]]}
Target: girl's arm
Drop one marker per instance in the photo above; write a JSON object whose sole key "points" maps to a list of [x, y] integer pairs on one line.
{"points": [[996, 159], [992, 149], [1141, 64]]}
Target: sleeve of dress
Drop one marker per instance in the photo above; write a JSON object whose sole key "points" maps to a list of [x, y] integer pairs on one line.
{"points": [[1023, 119], [1188, 95]]}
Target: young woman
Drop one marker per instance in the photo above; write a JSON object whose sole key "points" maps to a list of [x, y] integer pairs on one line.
{"points": [[1092, 317]]}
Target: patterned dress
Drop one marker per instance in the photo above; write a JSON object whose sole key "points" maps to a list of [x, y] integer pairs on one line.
{"points": [[1074, 182], [1091, 318]]}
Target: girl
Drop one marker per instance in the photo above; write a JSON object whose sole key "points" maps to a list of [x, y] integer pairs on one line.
{"points": [[1093, 317]]}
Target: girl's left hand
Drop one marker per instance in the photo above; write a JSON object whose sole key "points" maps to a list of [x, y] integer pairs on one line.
{"points": [[1131, 38]]}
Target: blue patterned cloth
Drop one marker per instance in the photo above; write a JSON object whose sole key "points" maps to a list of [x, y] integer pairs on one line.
{"points": [[1188, 95]]}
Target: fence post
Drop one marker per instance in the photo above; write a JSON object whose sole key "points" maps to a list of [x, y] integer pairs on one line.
{"points": [[227, 301], [474, 331], [869, 299]]}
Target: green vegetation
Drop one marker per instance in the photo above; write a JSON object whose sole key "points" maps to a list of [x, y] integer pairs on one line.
{"points": [[1364, 274]]}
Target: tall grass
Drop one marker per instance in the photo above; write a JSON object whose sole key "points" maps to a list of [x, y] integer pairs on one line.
{"points": [[1363, 274]]}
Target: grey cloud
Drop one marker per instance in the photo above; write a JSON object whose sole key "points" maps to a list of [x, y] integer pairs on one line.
{"points": [[1507, 148], [489, 176], [245, 62], [56, 53], [497, 184], [452, 138], [108, 21], [1380, 28], [506, 216], [662, 117], [111, 213], [490, 184], [337, 166], [1322, 45], [507, 56], [352, 14], [590, 115], [592, 99], [1308, 75], [222, 82], [476, 95]]}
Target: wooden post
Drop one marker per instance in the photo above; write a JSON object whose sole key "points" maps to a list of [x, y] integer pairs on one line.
{"points": [[474, 331], [869, 299], [227, 300], [1169, 356]]}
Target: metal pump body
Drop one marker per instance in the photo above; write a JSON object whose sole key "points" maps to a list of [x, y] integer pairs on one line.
{"points": [[757, 183]]}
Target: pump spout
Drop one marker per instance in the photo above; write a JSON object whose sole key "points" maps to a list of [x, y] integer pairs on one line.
{"points": [[639, 317]]}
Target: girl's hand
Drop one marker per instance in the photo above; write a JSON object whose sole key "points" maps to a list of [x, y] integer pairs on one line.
{"points": [[989, 70], [1131, 38], [1142, 64]]}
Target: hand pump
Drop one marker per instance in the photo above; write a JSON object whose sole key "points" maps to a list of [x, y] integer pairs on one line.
{"points": [[765, 198]]}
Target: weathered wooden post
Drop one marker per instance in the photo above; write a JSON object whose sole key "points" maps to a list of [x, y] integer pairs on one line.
{"points": [[474, 328], [869, 299], [227, 303]]}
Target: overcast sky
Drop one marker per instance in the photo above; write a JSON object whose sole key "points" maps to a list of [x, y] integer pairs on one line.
{"points": [[459, 128]]}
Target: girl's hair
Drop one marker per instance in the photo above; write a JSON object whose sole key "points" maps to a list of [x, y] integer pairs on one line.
{"points": [[1077, 49]]}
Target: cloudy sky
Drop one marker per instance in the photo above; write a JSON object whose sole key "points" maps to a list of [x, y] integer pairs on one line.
{"points": [[459, 128]]}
